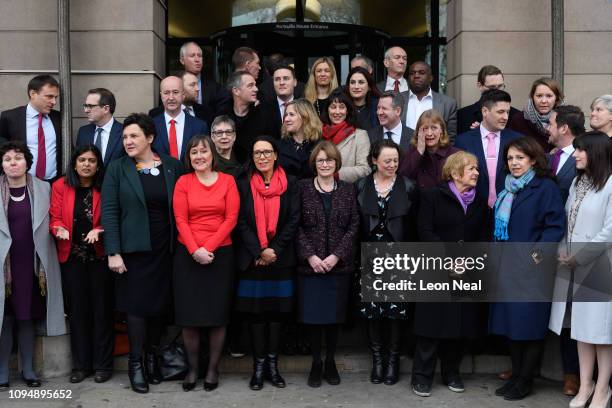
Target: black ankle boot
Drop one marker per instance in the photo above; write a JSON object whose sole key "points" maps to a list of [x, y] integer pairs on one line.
{"points": [[376, 377], [137, 376], [257, 378], [271, 372], [152, 369], [316, 371], [331, 372], [392, 369]]}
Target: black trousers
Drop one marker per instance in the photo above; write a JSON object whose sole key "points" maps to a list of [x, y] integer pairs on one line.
{"points": [[569, 353], [88, 290], [426, 356]]}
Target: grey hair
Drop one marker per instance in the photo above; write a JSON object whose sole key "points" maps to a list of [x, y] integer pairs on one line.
{"points": [[235, 79], [183, 49], [365, 59], [388, 51], [223, 119], [605, 99], [397, 101]]}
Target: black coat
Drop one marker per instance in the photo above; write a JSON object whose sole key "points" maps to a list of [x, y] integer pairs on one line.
{"points": [[473, 113], [247, 246], [257, 122], [441, 219]]}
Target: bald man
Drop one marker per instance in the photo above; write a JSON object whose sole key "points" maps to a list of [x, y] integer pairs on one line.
{"points": [[174, 127]]}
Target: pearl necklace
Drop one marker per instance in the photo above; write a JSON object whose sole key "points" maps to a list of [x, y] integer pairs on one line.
{"points": [[19, 198]]}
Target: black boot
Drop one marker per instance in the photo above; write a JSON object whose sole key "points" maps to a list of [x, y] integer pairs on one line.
{"points": [[271, 372], [257, 378], [316, 371], [376, 377], [152, 369], [137, 376], [392, 369]]}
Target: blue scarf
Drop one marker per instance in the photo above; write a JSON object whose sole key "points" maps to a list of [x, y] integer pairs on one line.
{"points": [[503, 205]]}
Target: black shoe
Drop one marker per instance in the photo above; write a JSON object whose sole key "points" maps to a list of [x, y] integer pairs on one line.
{"points": [[376, 376], [455, 384], [392, 371], [32, 383], [137, 376], [501, 391], [188, 386], [422, 390], [102, 376], [314, 378], [257, 378], [271, 372], [331, 373], [152, 369], [79, 375], [4, 386], [519, 390], [210, 386]]}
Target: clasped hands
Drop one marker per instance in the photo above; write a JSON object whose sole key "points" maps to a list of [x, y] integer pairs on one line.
{"points": [[319, 265], [266, 257], [203, 256], [567, 260]]}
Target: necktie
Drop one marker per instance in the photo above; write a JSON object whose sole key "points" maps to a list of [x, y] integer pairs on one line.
{"points": [[98, 139], [389, 135], [173, 142], [396, 86], [41, 161], [491, 168], [556, 159]]}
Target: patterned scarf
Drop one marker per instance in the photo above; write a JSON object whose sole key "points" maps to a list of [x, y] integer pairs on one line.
{"points": [[503, 205], [530, 113], [266, 203], [337, 133], [583, 186]]}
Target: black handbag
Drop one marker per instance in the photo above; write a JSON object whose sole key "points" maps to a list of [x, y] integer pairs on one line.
{"points": [[174, 360]]}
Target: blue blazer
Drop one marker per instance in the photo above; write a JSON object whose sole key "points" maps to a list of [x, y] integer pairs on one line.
{"points": [[114, 149], [193, 126], [471, 142], [565, 176]]}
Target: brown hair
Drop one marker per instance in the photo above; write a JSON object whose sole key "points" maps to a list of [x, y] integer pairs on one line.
{"points": [[432, 115], [331, 151], [486, 71], [195, 141], [531, 148], [554, 86], [455, 163]]}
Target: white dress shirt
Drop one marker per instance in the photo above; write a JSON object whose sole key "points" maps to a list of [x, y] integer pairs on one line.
{"points": [[416, 107], [281, 105], [567, 152], [180, 126], [105, 135], [32, 142], [396, 133], [390, 85]]}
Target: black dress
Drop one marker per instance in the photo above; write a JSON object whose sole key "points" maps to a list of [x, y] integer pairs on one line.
{"points": [[144, 289]]}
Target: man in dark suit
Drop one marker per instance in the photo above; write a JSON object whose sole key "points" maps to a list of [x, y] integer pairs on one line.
{"points": [[395, 62], [210, 93], [420, 97], [389, 112], [265, 90], [39, 126], [491, 136], [284, 81], [174, 127], [469, 117], [103, 130]]}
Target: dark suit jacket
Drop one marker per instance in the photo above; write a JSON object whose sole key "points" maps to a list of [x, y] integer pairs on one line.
{"points": [[471, 142], [202, 112], [124, 209], [266, 92], [376, 134], [447, 107], [13, 127], [565, 176], [193, 126], [248, 247], [114, 149], [472, 113], [216, 97]]}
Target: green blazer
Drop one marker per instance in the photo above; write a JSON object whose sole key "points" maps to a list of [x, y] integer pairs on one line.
{"points": [[124, 210]]}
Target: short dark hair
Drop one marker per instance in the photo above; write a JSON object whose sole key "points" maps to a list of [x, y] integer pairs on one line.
{"points": [[377, 147], [598, 148], [486, 71], [72, 177], [531, 148], [195, 141], [396, 100], [242, 55], [339, 96], [18, 147], [106, 98], [235, 79], [331, 151], [250, 166], [492, 96], [143, 121], [283, 66], [572, 116], [39, 81]]}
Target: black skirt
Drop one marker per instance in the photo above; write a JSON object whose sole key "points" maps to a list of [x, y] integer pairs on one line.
{"points": [[322, 298], [203, 294]]}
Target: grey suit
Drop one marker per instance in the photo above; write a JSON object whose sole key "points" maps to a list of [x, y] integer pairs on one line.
{"points": [[447, 107], [376, 134]]}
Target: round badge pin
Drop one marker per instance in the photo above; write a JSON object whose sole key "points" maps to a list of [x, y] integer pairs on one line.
{"points": [[154, 171]]}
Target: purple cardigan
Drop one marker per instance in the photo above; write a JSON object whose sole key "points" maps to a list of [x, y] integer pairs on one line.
{"points": [[342, 232], [426, 170]]}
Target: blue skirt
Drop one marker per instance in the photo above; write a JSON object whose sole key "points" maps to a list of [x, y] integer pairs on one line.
{"points": [[323, 299]]}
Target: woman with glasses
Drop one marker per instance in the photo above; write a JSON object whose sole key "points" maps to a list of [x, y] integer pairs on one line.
{"points": [[545, 95], [601, 114], [223, 136], [265, 257], [321, 82], [301, 130], [325, 250]]}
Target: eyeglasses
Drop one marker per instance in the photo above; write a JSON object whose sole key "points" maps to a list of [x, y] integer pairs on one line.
{"points": [[89, 106], [321, 162], [258, 154], [220, 133], [498, 87]]}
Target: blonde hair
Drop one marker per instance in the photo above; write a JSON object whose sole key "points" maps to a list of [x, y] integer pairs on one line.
{"points": [[432, 115], [311, 124], [310, 91], [455, 163]]}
